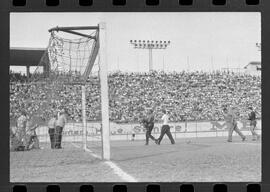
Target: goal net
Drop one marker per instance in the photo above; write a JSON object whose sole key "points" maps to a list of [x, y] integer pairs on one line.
{"points": [[69, 80]]}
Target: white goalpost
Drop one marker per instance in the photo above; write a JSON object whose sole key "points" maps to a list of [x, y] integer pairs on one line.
{"points": [[70, 62], [105, 125], [104, 92]]}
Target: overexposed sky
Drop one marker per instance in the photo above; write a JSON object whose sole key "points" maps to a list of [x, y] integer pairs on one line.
{"points": [[199, 41]]}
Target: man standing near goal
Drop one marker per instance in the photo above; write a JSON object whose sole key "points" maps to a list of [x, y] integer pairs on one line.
{"points": [[231, 122], [60, 124], [51, 129], [253, 123], [165, 129]]}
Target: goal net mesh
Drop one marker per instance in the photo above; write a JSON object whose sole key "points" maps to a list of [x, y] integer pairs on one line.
{"points": [[56, 84]]}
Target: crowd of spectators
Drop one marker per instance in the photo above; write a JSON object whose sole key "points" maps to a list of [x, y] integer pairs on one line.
{"points": [[17, 77], [187, 95]]}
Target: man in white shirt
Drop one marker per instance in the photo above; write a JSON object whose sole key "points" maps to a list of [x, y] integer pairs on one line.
{"points": [[165, 129], [60, 124]]}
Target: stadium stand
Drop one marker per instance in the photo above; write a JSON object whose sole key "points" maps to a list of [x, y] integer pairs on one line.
{"points": [[188, 95]]}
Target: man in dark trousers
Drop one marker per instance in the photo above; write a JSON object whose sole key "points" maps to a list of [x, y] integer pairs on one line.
{"points": [[51, 129], [60, 124], [165, 129], [149, 125], [253, 123]]}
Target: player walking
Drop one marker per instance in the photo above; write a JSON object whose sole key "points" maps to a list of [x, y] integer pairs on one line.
{"points": [[149, 125], [253, 123], [165, 129], [231, 122]]}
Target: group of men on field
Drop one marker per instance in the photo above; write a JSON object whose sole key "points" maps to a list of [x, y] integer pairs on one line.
{"points": [[148, 123], [229, 117], [230, 120], [23, 136]]}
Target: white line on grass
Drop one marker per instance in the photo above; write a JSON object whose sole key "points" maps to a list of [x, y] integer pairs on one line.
{"points": [[88, 150], [117, 170], [92, 153], [120, 172]]}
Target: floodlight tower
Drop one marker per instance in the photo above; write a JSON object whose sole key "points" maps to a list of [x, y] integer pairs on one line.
{"points": [[150, 45], [259, 45]]}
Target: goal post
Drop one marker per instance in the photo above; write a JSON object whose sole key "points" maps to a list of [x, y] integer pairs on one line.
{"points": [[104, 92], [63, 69], [84, 138]]}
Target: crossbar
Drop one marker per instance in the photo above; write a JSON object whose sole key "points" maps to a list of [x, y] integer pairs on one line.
{"points": [[80, 34], [73, 28]]}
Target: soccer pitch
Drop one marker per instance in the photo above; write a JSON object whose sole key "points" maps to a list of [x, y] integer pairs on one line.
{"points": [[201, 160]]}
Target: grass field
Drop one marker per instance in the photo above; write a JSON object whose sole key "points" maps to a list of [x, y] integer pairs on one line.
{"points": [[201, 160]]}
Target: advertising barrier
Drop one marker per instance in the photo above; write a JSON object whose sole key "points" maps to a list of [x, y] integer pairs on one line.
{"points": [[74, 131]]}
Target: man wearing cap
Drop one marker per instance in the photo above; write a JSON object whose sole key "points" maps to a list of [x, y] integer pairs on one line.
{"points": [[231, 122], [60, 124], [253, 123], [165, 129]]}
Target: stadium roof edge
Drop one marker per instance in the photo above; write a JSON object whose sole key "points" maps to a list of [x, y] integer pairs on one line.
{"points": [[27, 48], [25, 56]]}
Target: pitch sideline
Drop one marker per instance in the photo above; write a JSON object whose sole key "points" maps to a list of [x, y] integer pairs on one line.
{"points": [[117, 170]]}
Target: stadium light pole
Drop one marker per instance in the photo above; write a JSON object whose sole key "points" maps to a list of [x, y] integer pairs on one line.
{"points": [[259, 45], [150, 45]]}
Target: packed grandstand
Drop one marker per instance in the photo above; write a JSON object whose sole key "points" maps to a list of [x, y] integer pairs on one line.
{"points": [[187, 95]]}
